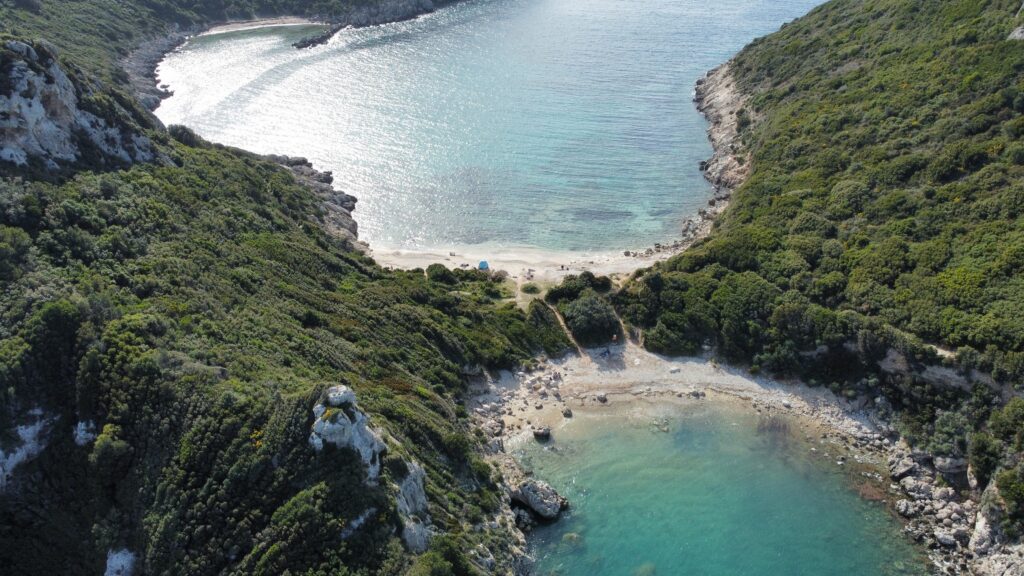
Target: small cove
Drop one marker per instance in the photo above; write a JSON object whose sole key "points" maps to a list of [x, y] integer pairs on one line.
{"points": [[543, 124], [707, 489]]}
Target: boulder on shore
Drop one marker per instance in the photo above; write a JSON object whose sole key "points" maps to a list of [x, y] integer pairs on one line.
{"points": [[539, 498]]}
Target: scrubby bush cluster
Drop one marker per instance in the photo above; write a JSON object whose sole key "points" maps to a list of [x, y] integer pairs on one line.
{"points": [[582, 301]]}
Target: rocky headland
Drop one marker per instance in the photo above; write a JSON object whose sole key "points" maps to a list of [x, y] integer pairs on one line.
{"points": [[338, 206]]}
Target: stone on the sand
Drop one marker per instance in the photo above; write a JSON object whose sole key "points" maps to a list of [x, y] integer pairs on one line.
{"points": [[906, 508], [900, 469], [567, 412], [602, 398], [542, 433]]}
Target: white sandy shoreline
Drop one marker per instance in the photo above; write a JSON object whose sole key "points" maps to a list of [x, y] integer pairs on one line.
{"points": [[260, 23], [718, 98], [632, 375], [546, 265]]}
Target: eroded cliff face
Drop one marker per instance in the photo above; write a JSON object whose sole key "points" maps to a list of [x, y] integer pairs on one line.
{"points": [[339, 421], [50, 120]]}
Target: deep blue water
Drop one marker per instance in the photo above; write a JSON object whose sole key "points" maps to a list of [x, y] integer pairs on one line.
{"points": [[553, 124]]}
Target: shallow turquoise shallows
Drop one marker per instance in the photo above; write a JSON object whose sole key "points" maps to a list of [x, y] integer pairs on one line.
{"points": [[712, 496], [552, 124]]}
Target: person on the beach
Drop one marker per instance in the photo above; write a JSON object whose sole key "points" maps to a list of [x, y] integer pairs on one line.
{"points": [[608, 348]]}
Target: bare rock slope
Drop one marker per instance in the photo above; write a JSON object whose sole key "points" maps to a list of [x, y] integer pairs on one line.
{"points": [[51, 120]]}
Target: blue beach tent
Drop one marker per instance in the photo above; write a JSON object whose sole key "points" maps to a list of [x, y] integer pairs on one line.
{"points": [[484, 265]]}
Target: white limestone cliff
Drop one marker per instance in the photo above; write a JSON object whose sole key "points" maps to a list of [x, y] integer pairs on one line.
{"points": [[42, 119]]}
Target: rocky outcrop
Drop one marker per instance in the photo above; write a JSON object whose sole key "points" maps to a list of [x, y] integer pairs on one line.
{"points": [[718, 98], [1009, 562], [985, 536], [540, 499], [50, 119], [993, 556], [141, 65], [84, 433], [412, 505], [31, 440], [340, 422], [120, 563], [338, 206], [963, 535]]}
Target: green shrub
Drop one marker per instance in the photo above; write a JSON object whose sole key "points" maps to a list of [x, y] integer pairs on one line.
{"points": [[591, 319], [439, 273], [984, 453]]}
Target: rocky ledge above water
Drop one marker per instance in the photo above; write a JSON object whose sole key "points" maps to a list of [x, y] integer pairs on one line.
{"points": [[945, 514], [338, 206]]}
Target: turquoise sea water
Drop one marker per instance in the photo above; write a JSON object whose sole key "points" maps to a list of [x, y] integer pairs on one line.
{"points": [[711, 496], [553, 124]]}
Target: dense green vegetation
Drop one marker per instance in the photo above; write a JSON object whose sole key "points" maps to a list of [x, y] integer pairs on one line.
{"points": [[588, 315], [885, 211], [194, 311], [95, 34]]}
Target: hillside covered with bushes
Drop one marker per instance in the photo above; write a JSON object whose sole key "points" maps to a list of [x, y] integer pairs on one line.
{"points": [[167, 328], [882, 223], [169, 321]]}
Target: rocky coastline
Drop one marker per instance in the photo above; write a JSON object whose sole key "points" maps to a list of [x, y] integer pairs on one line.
{"points": [[141, 64], [720, 101], [374, 15], [337, 217], [942, 508]]}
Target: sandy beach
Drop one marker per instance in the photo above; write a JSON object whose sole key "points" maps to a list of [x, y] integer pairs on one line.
{"points": [[518, 403], [523, 264], [718, 98], [260, 23]]}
